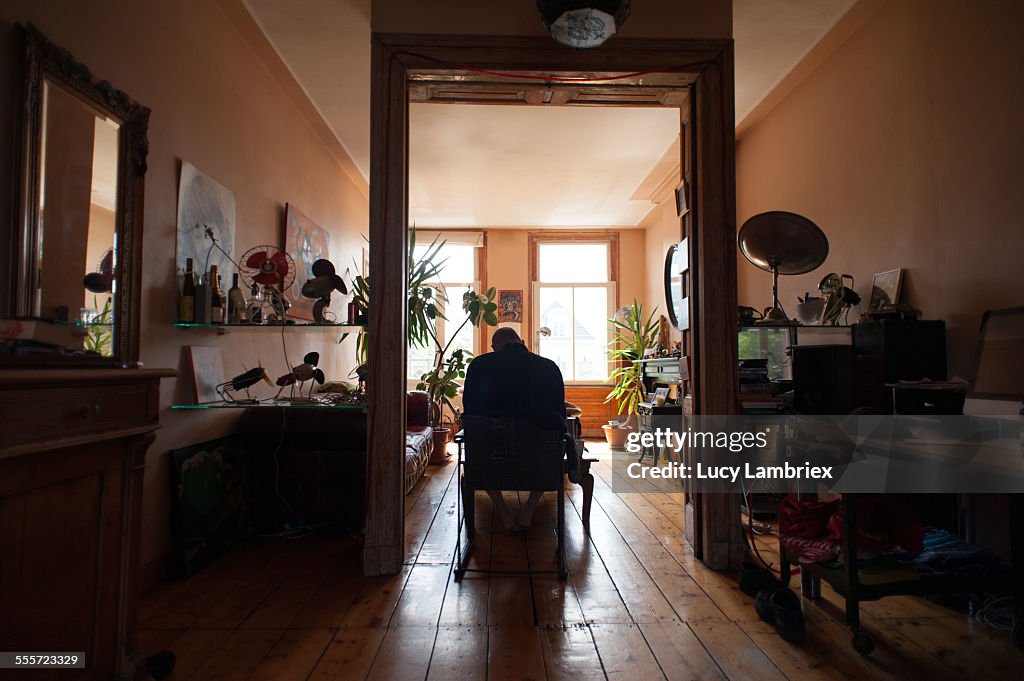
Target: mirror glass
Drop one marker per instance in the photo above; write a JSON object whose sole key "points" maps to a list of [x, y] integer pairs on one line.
{"points": [[76, 248]]}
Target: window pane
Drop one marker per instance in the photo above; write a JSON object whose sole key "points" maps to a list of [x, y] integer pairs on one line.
{"points": [[573, 263], [591, 352], [421, 360], [555, 306], [460, 261]]}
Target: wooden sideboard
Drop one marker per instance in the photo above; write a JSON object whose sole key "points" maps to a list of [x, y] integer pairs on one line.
{"points": [[72, 453]]}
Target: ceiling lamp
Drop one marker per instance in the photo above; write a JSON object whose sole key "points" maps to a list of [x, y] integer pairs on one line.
{"points": [[583, 23]]}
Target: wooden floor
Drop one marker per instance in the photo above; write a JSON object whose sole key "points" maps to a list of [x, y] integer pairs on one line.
{"points": [[637, 605]]}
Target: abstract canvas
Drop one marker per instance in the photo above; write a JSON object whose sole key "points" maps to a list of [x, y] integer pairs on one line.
{"points": [[306, 242], [209, 501], [205, 203], [510, 306]]}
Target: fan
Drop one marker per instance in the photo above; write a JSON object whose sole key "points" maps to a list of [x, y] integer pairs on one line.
{"points": [[102, 280], [272, 269], [624, 315], [267, 266]]}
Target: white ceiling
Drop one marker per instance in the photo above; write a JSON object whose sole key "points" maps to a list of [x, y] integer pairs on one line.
{"points": [[470, 169], [515, 166], [772, 36]]}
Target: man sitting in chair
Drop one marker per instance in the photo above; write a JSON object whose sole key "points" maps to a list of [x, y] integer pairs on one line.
{"points": [[514, 382]]}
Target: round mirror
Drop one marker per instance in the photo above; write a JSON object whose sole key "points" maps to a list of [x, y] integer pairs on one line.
{"points": [[677, 262]]}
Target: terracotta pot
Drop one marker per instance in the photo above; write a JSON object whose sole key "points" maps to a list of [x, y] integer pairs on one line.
{"points": [[616, 436], [439, 455]]}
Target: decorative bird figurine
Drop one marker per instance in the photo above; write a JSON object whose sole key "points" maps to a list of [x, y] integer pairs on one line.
{"points": [[303, 372]]}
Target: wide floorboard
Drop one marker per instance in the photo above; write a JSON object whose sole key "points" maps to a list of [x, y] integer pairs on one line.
{"points": [[637, 605]]}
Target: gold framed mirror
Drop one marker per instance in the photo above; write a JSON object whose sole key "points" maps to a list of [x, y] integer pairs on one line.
{"points": [[77, 244]]}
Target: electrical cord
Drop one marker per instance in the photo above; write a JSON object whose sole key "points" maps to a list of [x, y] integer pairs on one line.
{"points": [[997, 613]]}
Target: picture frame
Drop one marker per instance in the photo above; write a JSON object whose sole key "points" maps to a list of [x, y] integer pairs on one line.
{"points": [[306, 242], [885, 288], [210, 510], [682, 194], [510, 306]]}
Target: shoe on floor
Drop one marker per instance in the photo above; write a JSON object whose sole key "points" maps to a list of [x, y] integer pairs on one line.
{"points": [[781, 609], [754, 579]]}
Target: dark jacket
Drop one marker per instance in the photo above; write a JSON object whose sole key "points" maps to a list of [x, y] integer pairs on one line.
{"points": [[515, 382]]}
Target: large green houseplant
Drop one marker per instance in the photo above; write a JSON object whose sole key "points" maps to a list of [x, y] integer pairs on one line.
{"points": [[633, 335], [423, 304], [441, 382]]}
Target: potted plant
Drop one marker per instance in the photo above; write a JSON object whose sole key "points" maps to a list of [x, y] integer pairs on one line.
{"points": [[441, 382], [423, 308], [633, 335]]}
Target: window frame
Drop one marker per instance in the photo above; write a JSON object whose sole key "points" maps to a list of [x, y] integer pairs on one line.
{"points": [[480, 267], [535, 240]]}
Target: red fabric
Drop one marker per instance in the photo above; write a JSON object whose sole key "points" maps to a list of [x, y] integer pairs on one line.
{"points": [[804, 519], [883, 523], [417, 406]]}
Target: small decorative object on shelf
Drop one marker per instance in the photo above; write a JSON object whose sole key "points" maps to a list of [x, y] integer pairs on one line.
{"points": [[187, 300], [273, 271], [839, 298], [255, 305], [303, 372], [242, 382], [324, 282]]}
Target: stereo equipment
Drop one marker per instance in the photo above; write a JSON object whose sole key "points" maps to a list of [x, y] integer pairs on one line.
{"points": [[913, 349], [822, 379]]}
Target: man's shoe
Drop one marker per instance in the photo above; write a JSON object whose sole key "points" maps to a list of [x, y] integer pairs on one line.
{"points": [[781, 609], [754, 579]]}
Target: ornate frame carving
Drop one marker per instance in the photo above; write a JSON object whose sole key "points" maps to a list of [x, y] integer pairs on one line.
{"points": [[43, 60]]}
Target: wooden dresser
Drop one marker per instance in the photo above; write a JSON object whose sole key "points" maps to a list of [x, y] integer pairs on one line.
{"points": [[72, 453]]}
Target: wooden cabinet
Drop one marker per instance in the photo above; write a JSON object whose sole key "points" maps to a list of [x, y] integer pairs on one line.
{"points": [[72, 454]]}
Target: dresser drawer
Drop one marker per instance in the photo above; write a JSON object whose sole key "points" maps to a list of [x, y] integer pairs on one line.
{"points": [[34, 414]]}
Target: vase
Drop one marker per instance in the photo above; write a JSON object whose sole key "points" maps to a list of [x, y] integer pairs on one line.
{"points": [[616, 436], [439, 455]]}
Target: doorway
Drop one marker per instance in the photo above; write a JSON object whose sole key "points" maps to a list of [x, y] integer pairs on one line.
{"points": [[697, 74]]}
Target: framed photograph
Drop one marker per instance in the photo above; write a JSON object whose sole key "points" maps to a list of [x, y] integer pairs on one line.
{"points": [[683, 198], [306, 242], [885, 288]]}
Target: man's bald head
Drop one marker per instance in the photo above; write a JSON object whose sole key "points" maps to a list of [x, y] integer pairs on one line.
{"points": [[504, 336]]}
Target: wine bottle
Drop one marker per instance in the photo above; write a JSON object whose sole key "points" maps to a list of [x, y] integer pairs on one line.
{"points": [[236, 303], [217, 306], [187, 299]]}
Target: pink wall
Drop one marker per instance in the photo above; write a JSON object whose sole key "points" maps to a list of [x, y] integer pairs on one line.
{"points": [[663, 228], [904, 146], [218, 106]]}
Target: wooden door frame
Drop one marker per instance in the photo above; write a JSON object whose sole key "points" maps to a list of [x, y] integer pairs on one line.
{"points": [[393, 56]]}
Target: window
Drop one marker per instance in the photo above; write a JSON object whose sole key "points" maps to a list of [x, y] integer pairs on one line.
{"points": [[459, 273], [574, 297]]}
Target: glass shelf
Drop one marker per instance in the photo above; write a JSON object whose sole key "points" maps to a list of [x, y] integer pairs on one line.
{"points": [[794, 326], [296, 325], [85, 325], [268, 404]]}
